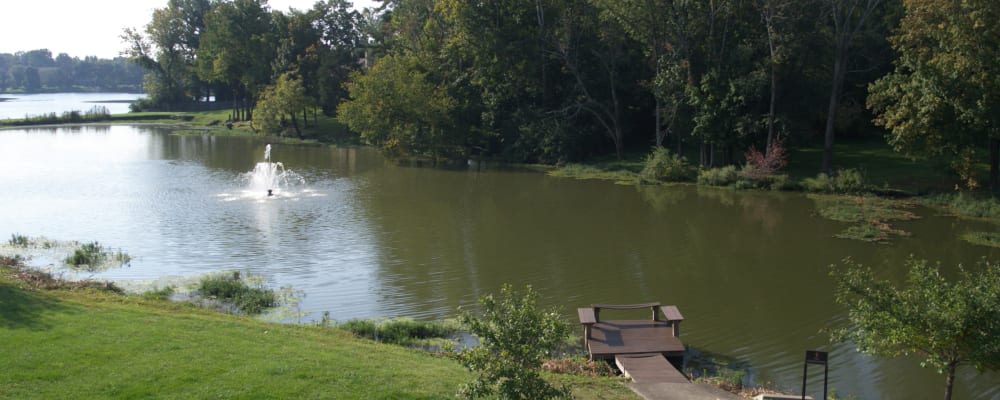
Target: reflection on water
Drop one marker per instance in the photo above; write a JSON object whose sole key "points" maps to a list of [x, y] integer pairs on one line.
{"points": [[365, 238]]}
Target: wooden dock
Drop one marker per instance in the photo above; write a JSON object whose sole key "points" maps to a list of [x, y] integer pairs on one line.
{"points": [[640, 348]]}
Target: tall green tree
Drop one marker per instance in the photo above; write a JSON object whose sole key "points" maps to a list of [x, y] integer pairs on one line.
{"points": [[395, 106], [596, 54], [943, 99], [167, 50], [848, 19], [949, 322], [237, 48], [726, 78]]}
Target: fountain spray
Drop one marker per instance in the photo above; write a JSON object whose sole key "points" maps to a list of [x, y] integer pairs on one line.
{"points": [[267, 159]]}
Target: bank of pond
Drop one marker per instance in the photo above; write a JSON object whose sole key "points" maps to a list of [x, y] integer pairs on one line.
{"points": [[93, 339]]}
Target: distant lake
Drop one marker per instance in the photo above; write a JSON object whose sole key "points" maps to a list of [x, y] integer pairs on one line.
{"points": [[15, 106]]}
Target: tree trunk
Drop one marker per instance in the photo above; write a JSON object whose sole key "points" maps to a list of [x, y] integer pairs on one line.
{"points": [[994, 164], [295, 124], [838, 83], [950, 379], [770, 111], [658, 120]]}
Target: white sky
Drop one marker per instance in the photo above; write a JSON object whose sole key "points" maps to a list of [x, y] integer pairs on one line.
{"points": [[89, 28]]}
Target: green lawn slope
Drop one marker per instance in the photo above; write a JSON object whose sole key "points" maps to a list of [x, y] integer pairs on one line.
{"points": [[93, 344]]}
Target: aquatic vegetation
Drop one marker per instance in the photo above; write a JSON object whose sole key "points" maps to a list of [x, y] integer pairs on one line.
{"points": [[231, 289], [870, 216], [95, 257], [18, 240], [401, 331]]}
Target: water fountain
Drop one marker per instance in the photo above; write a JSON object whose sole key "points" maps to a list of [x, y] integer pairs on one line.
{"points": [[271, 177]]}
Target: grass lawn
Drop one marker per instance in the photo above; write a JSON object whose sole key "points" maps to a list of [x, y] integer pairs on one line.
{"points": [[85, 343], [880, 164]]}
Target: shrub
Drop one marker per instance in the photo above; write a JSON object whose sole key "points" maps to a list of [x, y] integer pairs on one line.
{"points": [[159, 293], [661, 165], [516, 336], [760, 165], [402, 331], [724, 176], [18, 240], [231, 289], [782, 182], [578, 366], [844, 181]]}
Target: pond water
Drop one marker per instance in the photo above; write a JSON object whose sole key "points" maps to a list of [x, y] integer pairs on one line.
{"points": [[365, 237], [17, 106]]}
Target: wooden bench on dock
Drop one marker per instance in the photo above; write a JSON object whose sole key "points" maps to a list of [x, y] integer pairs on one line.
{"points": [[641, 348]]}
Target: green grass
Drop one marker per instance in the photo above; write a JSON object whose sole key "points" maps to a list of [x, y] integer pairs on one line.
{"points": [[93, 344], [989, 239], [880, 164], [965, 205]]}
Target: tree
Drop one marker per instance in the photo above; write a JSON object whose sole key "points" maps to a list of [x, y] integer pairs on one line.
{"points": [[948, 322], [396, 107], [659, 26], [515, 338], [943, 99], [597, 64], [167, 50], [849, 17], [285, 98], [237, 48]]}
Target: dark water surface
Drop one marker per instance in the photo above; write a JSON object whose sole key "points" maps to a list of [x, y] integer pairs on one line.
{"points": [[367, 238]]}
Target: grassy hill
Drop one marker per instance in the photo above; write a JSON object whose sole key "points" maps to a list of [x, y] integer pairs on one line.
{"points": [[87, 343]]}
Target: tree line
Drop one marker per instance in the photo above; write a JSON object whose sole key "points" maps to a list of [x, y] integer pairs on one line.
{"points": [[555, 81], [243, 52], [37, 71]]}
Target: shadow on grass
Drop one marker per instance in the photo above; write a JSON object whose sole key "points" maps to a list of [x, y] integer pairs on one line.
{"points": [[21, 309]]}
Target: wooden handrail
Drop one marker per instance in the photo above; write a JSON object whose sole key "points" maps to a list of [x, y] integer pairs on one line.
{"points": [[652, 306], [626, 306]]}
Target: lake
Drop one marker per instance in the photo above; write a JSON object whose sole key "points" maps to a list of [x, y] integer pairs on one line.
{"points": [[365, 237], [17, 106]]}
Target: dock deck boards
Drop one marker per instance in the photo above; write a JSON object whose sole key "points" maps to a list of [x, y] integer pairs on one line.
{"points": [[649, 368], [610, 338]]}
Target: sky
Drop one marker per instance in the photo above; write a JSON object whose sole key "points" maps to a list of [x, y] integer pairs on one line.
{"points": [[89, 28]]}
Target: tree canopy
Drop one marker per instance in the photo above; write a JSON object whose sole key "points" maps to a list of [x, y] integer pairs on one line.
{"points": [[943, 99], [949, 322], [37, 70], [561, 80]]}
